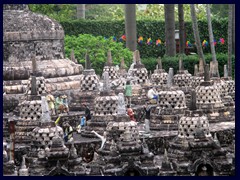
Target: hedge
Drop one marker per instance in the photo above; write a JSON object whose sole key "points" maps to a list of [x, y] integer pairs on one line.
{"points": [[147, 29], [188, 62]]}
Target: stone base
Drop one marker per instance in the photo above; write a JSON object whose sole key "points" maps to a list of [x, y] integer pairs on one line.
{"points": [[81, 98]]}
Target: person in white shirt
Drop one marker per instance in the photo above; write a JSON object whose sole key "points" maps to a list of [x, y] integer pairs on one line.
{"points": [[152, 94]]}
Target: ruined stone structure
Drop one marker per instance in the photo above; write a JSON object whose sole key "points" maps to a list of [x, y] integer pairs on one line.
{"points": [[171, 106], [27, 34], [195, 138], [105, 109], [88, 88]]}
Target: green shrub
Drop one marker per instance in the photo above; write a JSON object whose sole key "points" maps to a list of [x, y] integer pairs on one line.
{"points": [[97, 47], [147, 29], [188, 62]]}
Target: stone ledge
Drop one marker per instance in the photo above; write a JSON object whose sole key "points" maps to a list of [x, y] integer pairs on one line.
{"points": [[33, 35]]}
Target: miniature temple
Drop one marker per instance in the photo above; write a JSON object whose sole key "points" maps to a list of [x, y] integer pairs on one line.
{"points": [[190, 130]]}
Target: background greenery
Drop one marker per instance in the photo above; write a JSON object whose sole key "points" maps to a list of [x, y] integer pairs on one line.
{"points": [[188, 62], [97, 47], [153, 29], [107, 20]]}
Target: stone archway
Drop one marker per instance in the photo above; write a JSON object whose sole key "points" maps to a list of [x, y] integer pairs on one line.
{"points": [[204, 170], [132, 172]]}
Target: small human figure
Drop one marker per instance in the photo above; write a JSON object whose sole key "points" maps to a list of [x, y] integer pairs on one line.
{"points": [[58, 103], [68, 132], [51, 100], [87, 112], [128, 92], [81, 124], [152, 94], [65, 103], [130, 113]]}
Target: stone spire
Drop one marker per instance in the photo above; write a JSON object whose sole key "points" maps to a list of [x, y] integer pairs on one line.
{"points": [[34, 65], [201, 67], [180, 64], [73, 59], [166, 165], [225, 71], [87, 61], [122, 65], [109, 58], [193, 100], [106, 84], [73, 151], [214, 69], [159, 61], [165, 157], [121, 104], [137, 57], [33, 76], [196, 70], [23, 171], [170, 78], [45, 111], [138, 60], [206, 74]]}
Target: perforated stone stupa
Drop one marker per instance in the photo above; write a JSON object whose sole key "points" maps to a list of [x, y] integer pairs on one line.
{"points": [[110, 68], [159, 77], [25, 34]]}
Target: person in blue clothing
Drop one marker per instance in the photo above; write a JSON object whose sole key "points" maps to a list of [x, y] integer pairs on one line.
{"points": [[82, 123], [87, 112]]}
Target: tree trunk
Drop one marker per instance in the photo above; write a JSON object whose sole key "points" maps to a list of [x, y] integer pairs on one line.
{"points": [[230, 27], [196, 34], [210, 31], [170, 29], [233, 28], [80, 11], [181, 29], [130, 26], [214, 64]]}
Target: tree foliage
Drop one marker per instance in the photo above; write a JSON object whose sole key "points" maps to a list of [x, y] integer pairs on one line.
{"points": [[149, 29], [116, 11], [97, 47]]}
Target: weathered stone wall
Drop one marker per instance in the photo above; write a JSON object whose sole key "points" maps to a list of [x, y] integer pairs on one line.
{"points": [[26, 32], [17, 51]]}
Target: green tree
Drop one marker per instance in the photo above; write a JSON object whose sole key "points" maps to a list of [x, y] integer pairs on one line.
{"points": [[97, 47], [59, 12]]}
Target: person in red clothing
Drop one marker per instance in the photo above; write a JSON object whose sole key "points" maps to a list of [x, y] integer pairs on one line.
{"points": [[130, 113]]}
